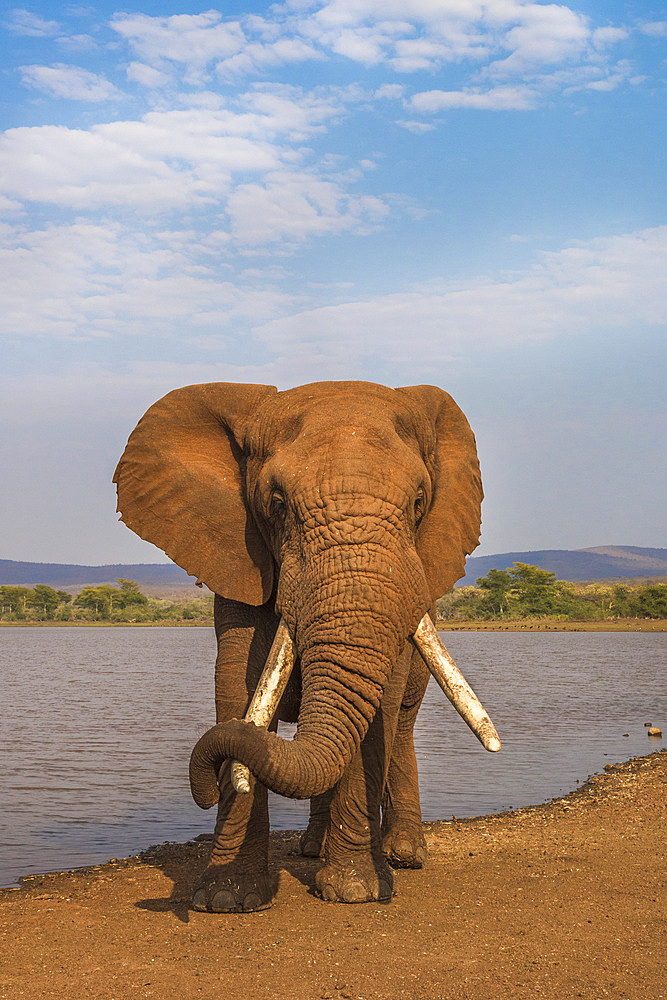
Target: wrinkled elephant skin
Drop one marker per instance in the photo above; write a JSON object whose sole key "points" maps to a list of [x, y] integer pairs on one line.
{"points": [[344, 509]]}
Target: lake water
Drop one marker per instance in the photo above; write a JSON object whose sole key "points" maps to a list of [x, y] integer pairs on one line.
{"points": [[98, 725]]}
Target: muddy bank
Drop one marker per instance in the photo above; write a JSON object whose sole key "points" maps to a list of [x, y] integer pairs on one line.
{"points": [[520, 625], [553, 625], [561, 900]]}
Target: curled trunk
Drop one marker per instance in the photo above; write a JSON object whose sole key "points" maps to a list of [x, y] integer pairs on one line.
{"points": [[346, 659], [334, 719]]}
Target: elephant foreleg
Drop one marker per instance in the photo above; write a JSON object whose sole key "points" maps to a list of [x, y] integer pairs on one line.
{"points": [[237, 877], [403, 840]]}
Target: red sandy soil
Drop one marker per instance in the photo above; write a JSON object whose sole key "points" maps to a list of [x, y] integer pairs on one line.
{"points": [[556, 901]]}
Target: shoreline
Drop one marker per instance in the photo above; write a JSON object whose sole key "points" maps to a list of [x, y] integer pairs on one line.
{"points": [[155, 850], [179, 623], [516, 625], [560, 899], [552, 625]]}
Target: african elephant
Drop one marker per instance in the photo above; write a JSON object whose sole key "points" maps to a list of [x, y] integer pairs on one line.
{"points": [[339, 511]]}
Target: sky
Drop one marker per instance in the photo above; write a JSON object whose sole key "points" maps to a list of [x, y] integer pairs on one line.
{"points": [[461, 193]]}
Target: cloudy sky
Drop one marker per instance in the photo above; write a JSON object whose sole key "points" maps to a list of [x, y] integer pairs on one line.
{"points": [[463, 193]]}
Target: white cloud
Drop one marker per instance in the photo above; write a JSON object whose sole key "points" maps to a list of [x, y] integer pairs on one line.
{"points": [[257, 57], [87, 170], [69, 82], [89, 280], [293, 207], [24, 22], [607, 283], [85, 281], [612, 78], [546, 35], [497, 99], [504, 39], [418, 128], [390, 92], [163, 162], [76, 43], [146, 76], [199, 157], [424, 54], [189, 40], [296, 114], [657, 29], [420, 34], [604, 37]]}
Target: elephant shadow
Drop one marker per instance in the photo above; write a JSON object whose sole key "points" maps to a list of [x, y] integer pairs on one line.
{"points": [[182, 864]]}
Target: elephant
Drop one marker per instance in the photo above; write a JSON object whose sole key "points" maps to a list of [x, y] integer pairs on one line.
{"points": [[326, 519]]}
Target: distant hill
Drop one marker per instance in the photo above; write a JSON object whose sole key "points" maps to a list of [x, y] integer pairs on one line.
{"points": [[607, 562], [64, 575], [604, 563]]}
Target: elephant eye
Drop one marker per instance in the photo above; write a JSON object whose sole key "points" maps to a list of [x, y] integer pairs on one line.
{"points": [[278, 503], [420, 505]]}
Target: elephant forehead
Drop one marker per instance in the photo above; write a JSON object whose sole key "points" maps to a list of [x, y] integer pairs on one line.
{"points": [[338, 412], [319, 394]]}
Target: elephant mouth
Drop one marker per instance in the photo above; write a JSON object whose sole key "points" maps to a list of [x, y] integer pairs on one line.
{"points": [[279, 665]]}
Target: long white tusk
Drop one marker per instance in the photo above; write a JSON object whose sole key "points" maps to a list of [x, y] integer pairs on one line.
{"points": [[454, 684], [267, 695]]}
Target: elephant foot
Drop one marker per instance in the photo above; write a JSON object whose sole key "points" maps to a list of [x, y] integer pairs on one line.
{"points": [[361, 881], [312, 840], [404, 845], [225, 889]]}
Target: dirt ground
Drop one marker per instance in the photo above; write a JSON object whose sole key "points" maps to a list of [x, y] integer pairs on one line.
{"points": [[557, 901]]}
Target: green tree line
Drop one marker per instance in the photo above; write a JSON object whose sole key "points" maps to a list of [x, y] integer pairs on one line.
{"points": [[520, 591], [525, 591], [103, 603]]}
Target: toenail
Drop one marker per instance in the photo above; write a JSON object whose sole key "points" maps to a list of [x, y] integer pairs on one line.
{"points": [[328, 894], [223, 902], [355, 893], [251, 902], [199, 900]]}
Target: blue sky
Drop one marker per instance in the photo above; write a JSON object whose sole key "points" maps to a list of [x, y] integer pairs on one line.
{"points": [[443, 191]]}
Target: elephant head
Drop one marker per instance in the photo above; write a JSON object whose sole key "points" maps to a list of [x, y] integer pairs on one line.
{"points": [[348, 506]]}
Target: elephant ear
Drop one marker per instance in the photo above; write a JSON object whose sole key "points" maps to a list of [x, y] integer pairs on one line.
{"points": [[181, 486], [450, 529]]}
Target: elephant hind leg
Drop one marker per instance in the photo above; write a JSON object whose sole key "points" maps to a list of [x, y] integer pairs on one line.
{"points": [[403, 842], [313, 839]]}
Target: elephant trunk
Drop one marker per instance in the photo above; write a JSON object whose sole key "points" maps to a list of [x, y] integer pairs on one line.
{"points": [[338, 705], [347, 656]]}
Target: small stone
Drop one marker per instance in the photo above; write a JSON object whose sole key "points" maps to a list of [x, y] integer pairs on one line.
{"points": [[608, 767], [648, 724], [654, 731], [626, 734]]}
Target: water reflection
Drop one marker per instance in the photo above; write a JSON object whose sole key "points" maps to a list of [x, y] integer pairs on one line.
{"points": [[99, 723]]}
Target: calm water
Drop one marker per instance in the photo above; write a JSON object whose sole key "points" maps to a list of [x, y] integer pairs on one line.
{"points": [[98, 724]]}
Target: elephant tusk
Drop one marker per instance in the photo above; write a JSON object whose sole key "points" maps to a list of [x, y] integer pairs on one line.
{"points": [[267, 695], [453, 683]]}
